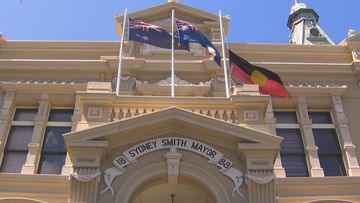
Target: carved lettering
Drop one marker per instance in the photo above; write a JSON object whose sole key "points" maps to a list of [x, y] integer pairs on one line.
{"points": [[129, 156]]}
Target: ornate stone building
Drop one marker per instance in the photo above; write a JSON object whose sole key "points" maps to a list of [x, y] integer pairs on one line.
{"points": [[66, 137]]}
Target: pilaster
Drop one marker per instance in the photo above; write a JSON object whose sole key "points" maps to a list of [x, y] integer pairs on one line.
{"points": [[348, 148], [74, 120], [271, 123], [5, 119], [261, 186], [84, 184], [85, 177], [308, 138], [260, 176], [34, 153]]}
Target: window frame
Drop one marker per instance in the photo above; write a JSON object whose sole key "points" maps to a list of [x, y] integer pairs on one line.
{"points": [[17, 123], [339, 155], [53, 124], [297, 127]]}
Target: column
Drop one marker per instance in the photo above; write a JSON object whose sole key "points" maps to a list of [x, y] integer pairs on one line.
{"points": [[348, 148], [308, 138], [33, 156], [6, 112]]}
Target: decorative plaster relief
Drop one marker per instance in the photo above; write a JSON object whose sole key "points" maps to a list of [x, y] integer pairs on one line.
{"points": [[356, 54], [94, 112], [173, 161], [251, 115], [8, 101], [214, 156], [177, 82]]}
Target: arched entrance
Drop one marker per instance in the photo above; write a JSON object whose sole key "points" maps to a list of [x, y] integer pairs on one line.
{"points": [[187, 191], [150, 184]]}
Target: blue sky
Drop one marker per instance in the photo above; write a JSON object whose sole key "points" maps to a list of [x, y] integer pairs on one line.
{"points": [[252, 21]]}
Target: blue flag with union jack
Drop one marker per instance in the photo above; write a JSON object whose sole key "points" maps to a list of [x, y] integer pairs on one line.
{"points": [[188, 32], [153, 35]]}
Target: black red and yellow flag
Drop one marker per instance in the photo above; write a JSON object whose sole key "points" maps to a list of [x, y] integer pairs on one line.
{"points": [[269, 82]]}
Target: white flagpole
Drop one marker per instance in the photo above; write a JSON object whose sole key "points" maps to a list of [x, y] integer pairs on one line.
{"points": [[224, 57], [118, 80], [172, 54]]}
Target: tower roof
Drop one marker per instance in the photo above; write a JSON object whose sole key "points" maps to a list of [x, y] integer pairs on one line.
{"points": [[298, 10], [303, 22]]}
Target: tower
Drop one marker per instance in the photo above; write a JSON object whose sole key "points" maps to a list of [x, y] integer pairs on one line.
{"points": [[304, 25]]}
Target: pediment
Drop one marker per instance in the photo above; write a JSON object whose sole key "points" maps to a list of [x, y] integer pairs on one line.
{"points": [[181, 10], [171, 121], [161, 15]]}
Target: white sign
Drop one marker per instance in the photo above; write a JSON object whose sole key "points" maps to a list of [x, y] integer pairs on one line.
{"points": [[130, 155]]}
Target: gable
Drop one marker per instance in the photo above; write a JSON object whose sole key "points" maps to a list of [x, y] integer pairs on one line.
{"points": [[172, 121]]}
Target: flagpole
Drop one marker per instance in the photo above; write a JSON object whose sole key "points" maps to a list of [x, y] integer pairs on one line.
{"points": [[224, 57], [118, 80], [172, 54]]}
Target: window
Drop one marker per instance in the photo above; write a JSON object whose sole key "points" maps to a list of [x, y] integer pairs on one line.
{"points": [[54, 150], [19, 137], [292, 148], [327, 141]]}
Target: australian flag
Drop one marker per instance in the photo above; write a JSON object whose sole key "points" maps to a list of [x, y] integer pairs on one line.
{"points": [[188, 32], [153, 35]]}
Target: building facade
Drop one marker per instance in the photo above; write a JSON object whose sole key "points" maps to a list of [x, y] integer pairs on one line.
{"points": [[65, 136]]}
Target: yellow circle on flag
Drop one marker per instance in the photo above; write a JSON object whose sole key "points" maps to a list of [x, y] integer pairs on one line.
{"points": [[258, 78]]}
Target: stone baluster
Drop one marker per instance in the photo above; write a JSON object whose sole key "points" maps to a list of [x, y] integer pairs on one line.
{"points": [[212, 113], [132, 111], [110, 114], [197, 111], [148, 110], [140, 111], [221, 113], [228, 115], [116, 115]]}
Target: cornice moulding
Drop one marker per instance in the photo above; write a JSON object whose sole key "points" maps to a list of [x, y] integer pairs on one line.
{"points": [[65, 65], [60, 45], [41, 87], [85, 97]]}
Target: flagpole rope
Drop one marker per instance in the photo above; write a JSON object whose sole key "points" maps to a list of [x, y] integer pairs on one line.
{"points": [[224, 57], [172, 54], [229, 73], [118, 79]]}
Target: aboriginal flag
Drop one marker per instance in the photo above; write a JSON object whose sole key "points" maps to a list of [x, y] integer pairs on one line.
{"points": [[269, 82]]}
